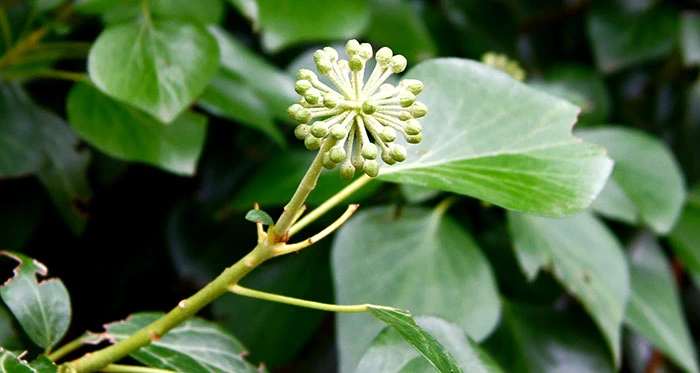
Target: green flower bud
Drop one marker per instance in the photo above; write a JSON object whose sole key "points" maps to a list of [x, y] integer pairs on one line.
{"points": [[319, 129], [414, 139], [398, 152], [313, 96], [337, 154], [388, 134], [369, 107], [323, 62], [338, 132], [418, 109], [413, 127], [387, 158], [412, 85], [327, 162], [312, 143], [302, 86], [365, 51], [358, 163], [302, 131], [330, 101], [352, 47], [405, 115], [383, 56], [371, 168], [356, 63], [369, 151], [406, 98], [347, 171], [298, 113], [332, 53], [306, 74], [398, 63], [343, 64], [386, 87]]}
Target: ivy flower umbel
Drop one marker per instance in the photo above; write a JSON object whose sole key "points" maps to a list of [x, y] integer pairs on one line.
{"points": [[358, 112]]}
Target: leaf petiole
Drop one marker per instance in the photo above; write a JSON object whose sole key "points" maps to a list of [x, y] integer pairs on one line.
{"points": [[240, 290]]}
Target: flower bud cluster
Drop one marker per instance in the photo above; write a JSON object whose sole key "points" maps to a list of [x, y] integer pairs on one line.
{"points": [[361, 119], [503, 63]]}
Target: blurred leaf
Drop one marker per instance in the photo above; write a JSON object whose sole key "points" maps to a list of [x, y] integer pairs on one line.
{"points": [[654, 308], [500, 141], [157, 66], [201, 11], [248, 9], [621, 37], [44, 365], [230, 98], [259, 216], [417, 194], [585, 257], [289, 22], [127, 133], [586, 82], [64, 172], [685, 237], [422, 261], [690, 38], [472, 20], [646, 174], [390, 353], [397, 24], [194, 346], [9, 362], [9, 338], [101, 6], [542, 340], [18, 133], [287, 169], [42, 308], [402, 322], [273, 86]]}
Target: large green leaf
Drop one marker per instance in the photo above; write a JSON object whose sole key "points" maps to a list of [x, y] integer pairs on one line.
{"points": [[289, 22], [390, 353], [18, 133], [654, 308], [585, 257], [419, 260], [621, 36], [10, 363], [157, 66], [690, 38], [127, 133], [118, 11], [430, 349], [543, 340], [646, 174], [685, 237], [42, 308], [195, 346], [492, 137], [9, 337]]}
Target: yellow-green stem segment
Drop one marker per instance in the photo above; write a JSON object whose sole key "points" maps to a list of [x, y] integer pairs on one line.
{"points": [[240, 290]]}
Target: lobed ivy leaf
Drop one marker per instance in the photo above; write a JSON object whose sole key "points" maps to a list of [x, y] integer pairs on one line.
{"points": [[535, 339], [42, 308], [259, 216], [389, 351], [402, 322], [647, 183], [494, 138], [158, 66], [195, 346], [654, 308], [419, 260], [585, 257], [288, 22], [127, 133]]}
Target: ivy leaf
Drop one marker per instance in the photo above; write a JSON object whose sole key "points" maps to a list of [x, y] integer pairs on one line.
{"points": [[621, 36], [543, 340], [493, 138], [690, 38], [42, 308], [202, 11], [195, 346], [646, 184], [390, 352], [157, 66], [685, 237], [18, 133], [44, 365], [654, 308], [585, 257], [127, 133], [402, 322], [259, 216], [289, 22], [433, 262], [9, 362]]}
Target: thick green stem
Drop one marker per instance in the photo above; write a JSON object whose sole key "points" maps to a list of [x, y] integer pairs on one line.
{"points": [[240, 290], [118, 368], [184, 310], [280, 231]]}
